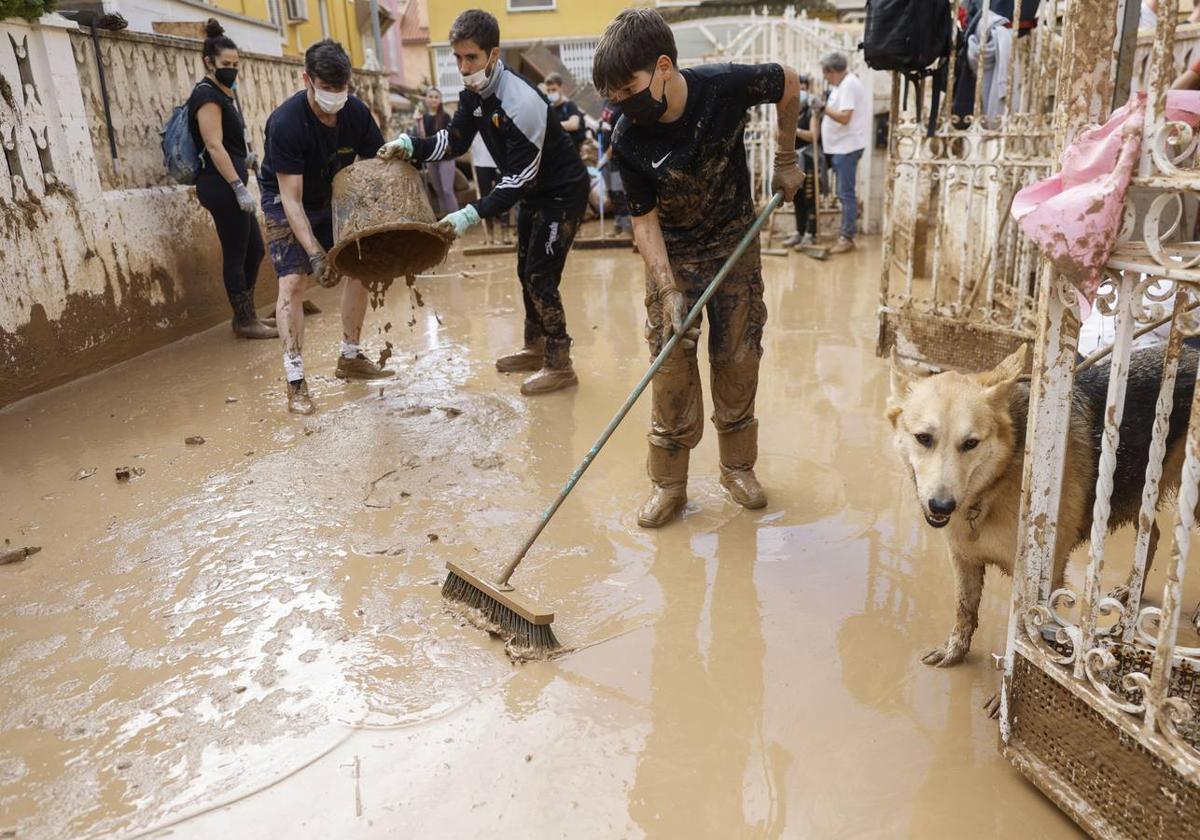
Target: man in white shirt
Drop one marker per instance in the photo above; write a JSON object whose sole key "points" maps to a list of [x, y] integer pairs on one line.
{"points": [[845, 132]]}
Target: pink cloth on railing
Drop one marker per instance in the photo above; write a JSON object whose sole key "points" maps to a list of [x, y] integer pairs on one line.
{"points": [[1074, 217]]}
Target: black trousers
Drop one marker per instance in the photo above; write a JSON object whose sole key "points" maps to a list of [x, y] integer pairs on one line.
{"points": [[544, 238], [806, 202], [241, 240]]}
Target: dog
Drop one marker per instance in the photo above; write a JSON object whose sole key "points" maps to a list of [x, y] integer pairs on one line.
{"points": [[961, 437]]}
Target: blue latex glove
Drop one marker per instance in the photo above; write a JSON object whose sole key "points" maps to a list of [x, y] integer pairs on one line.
{"points": [[401, 148], [460, 221]]}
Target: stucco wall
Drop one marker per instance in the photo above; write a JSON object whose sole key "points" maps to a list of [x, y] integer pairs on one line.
{"points": [[100, 260]]}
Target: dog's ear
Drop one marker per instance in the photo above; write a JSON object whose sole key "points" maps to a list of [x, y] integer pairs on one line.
{"points": [[1009, 369], [903, 378], [1000, 380]]}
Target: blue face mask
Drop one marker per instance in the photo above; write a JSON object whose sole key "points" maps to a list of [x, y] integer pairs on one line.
{"points": [[804, 98]]}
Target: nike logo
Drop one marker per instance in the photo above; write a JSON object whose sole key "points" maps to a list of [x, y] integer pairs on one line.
{"points": [[661, 160]]}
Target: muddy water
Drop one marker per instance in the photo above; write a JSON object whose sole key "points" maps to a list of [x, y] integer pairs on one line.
{"points": [[250, 636]]}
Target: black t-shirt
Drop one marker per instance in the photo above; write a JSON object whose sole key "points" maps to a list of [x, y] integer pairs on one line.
{"points": [[804, 123], [233, 130], [298, 143], [564, 109], [694, 170]]}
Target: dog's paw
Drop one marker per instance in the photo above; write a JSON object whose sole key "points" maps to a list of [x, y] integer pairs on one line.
{"points": [[992, 706], [944, 657]]}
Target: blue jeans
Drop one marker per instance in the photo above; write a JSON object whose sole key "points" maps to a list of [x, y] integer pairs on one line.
{"points": [[845, 167]]}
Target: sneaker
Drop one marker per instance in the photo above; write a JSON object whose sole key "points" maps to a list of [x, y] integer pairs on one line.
{"points": [[806, 241], [360, 367], [791, 240], [842, 246], [299, 402]]}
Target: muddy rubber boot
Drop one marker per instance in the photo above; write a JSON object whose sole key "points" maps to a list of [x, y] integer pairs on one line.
{"points": [[528, 358], [739, 451], [245, 319], [668, 470], [556, 372], [299, 402], [360, 367]]}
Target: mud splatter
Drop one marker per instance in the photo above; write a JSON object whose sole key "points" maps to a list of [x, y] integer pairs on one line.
{"points": [[385, 354]]}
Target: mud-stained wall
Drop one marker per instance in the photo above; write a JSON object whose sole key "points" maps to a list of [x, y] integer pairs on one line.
{"points": [[99, 261]]}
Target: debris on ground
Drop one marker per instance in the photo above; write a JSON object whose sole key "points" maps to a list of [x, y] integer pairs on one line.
{"points": [[127, 473], [87, 472], [433, 538], [385, 354], [16, 555], [193, 440], [230, 400]]}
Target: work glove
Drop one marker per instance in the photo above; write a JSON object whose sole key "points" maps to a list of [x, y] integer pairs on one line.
{"points": [[460, 221], [673, 306], [244, 199], [252, 161], [399, 149], [787, 178], [319, 268]]}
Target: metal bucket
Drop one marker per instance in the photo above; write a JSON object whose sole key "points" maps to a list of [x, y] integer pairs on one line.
{"points": [[383, 226]]}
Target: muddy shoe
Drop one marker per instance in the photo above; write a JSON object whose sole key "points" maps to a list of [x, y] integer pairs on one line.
{"points": [[549, 379], [842, 246], [299, 402], [668, 470], [254, 329], [791, 240], [743, 486], [526, 359], [360, 367], [739, 452], [245, 319]]}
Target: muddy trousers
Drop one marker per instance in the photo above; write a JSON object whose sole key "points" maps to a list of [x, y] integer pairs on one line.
{"points": [[544, 238], [736, 315], [241, 240]]}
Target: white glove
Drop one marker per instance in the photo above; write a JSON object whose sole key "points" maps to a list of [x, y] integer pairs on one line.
{"points": [[400, 149], [461, 220], [244, 199]]}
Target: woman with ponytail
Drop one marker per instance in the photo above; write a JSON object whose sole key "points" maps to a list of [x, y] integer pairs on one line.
{"points": [[441, 173], [218, 130]]}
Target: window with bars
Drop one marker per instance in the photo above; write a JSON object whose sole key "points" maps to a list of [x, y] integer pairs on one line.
{"points": [[448, 80], [577, 56]]}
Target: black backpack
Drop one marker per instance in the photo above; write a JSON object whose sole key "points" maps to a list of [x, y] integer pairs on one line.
{"points": [[913, 38]]}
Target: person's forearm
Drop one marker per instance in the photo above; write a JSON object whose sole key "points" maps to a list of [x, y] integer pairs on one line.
{"points": [[804, 135], [839, 117], [648, 235], [298, 221], [1190, 80], [571, 124], [787, 110]]}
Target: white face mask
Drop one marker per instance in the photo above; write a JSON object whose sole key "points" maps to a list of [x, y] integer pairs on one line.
{"points": [[330, 102], [554, 96], [476, 81]]}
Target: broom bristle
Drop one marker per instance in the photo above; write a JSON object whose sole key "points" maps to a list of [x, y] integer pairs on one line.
{"points": [[521, 634]]}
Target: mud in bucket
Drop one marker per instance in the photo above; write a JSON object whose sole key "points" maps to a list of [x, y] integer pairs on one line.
{"points": [[383, 225]]}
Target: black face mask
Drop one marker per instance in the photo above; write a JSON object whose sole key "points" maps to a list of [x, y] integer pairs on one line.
{"points": [[642, 108], [226, 75]]}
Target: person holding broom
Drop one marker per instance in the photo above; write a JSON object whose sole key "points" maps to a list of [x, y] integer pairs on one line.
{"points": [[681, 152], [539, 168]]}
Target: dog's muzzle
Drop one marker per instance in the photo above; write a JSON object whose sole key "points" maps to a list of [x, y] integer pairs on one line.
{"points": [[937, 520]]}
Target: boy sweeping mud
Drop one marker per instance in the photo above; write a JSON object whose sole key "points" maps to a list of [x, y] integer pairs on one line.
{"points": [[680, 149]]}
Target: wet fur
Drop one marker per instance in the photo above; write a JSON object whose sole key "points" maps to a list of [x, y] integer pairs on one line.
{"points": [[995, 403]]}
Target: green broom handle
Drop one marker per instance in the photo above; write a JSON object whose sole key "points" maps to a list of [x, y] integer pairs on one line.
{"points": [[775, 201]]}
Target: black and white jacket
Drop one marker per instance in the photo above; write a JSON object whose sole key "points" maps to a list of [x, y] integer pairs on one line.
{"points": [[537, 162]]}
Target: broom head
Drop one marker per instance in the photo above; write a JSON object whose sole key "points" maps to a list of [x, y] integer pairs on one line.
{"points": [[520, 621]]}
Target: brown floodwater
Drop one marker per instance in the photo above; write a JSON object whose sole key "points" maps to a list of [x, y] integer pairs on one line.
{"points": [[248, 638]]}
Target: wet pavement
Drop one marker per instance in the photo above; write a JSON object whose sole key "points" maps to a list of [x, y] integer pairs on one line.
{"points": [[248, 639]]}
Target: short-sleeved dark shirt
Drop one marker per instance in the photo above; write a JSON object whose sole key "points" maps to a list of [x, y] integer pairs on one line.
{"points": [[564, 110], [694, 170], [233, 129], [298, 143]]}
